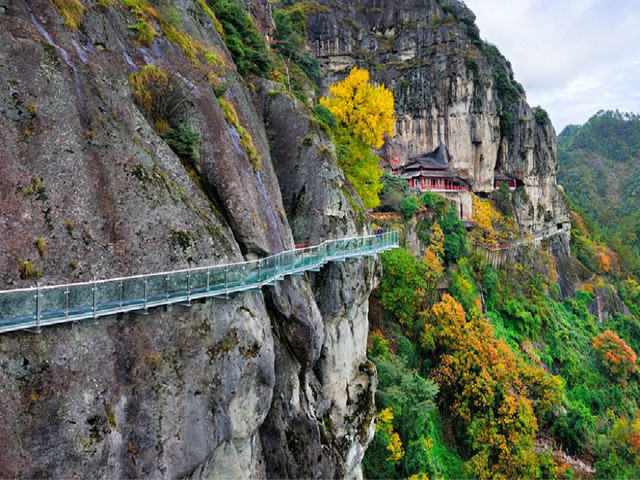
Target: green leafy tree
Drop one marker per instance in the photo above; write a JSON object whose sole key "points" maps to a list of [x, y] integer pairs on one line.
{"points": [[291, 32], [394, 190], [403, 286], [436, 241], [409, 206], [455, 235]]}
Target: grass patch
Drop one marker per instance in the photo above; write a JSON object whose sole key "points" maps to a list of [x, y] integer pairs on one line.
{"points": [[27, 269], [41, 245], [246, 142], [145, 33], [71, 12], [169, 21]]}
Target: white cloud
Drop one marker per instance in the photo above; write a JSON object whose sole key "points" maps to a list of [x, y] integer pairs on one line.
{"points": [[573, 57]]}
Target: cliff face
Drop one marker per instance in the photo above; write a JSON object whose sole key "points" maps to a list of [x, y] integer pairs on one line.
{"points": [[272, 383], [430, 55]]}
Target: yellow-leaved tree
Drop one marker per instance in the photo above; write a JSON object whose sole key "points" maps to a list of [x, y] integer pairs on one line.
{"points": [[364, 114], [490, 226]]}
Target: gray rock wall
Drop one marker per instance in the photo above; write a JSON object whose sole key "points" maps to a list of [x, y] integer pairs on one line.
{"points": [[444, 94]]}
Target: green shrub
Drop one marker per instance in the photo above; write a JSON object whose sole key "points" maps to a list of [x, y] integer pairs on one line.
{"points": [[407, 352], [463, 288], [434, 201], [403, 285], [291, 31], [326, 118], [184, 141], [541, 115], [245, 43], [411, 399], [520, 320], [574, 428], [409, 206]]}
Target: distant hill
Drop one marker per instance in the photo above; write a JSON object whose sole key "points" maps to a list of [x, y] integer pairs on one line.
{"points": [[599, 168]]}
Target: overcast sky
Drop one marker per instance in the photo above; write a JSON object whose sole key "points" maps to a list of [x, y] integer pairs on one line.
{"points": [[573, 57]]}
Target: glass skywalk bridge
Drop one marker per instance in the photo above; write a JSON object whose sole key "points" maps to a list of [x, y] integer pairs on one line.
{"points": [[33, 308]]}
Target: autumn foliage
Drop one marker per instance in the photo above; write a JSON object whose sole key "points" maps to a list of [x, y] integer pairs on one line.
{"points": [[363, 110], [490, 226], [487, 392], [364, 114], [615, 354], [391, 438]]}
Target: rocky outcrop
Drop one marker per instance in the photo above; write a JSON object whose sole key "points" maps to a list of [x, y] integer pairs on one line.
{"points": [[336, 383], [431, 56], [262, 384]]}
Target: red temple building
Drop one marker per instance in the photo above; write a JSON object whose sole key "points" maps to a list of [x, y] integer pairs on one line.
{"points": [[431, 172], [501, 178]]}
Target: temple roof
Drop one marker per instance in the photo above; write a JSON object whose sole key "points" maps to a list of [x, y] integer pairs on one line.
{"points": [[503, 177], [436, 160]]}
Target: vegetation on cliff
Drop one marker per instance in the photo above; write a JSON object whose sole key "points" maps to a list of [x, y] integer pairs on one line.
{"points": [[515, 372], [599, 167], [364, 115]]}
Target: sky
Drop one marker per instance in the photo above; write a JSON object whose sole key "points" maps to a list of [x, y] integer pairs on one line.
{"points": [[572, 57]]}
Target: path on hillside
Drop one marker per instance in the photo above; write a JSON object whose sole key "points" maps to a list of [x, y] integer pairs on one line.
{"points": [[33, 308], [525, 239]]}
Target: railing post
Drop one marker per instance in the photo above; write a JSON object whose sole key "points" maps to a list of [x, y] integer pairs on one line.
{"points": [[208, 279], [259, 261], [166, 284], [38, 310], [226, 279], [95, 307], [144, 282], [121, 293], [188, 285], [66, 301]]}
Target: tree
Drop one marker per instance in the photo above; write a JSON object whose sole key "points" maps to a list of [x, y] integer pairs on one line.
{"points": [[403, 286], [364, 114], [436, 241], [409, 206], [487, 392], [363, 110], [615, 354], [490, 226], [394, 190], [455, 235]]}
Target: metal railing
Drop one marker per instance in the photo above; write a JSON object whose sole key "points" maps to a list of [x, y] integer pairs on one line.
{"points": [[33, 308]]}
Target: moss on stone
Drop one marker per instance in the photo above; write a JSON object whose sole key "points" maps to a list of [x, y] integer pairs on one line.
{"points": [[246, 142]]}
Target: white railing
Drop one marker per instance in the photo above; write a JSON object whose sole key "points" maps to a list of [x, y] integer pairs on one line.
{"points": [[33, 308]]}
